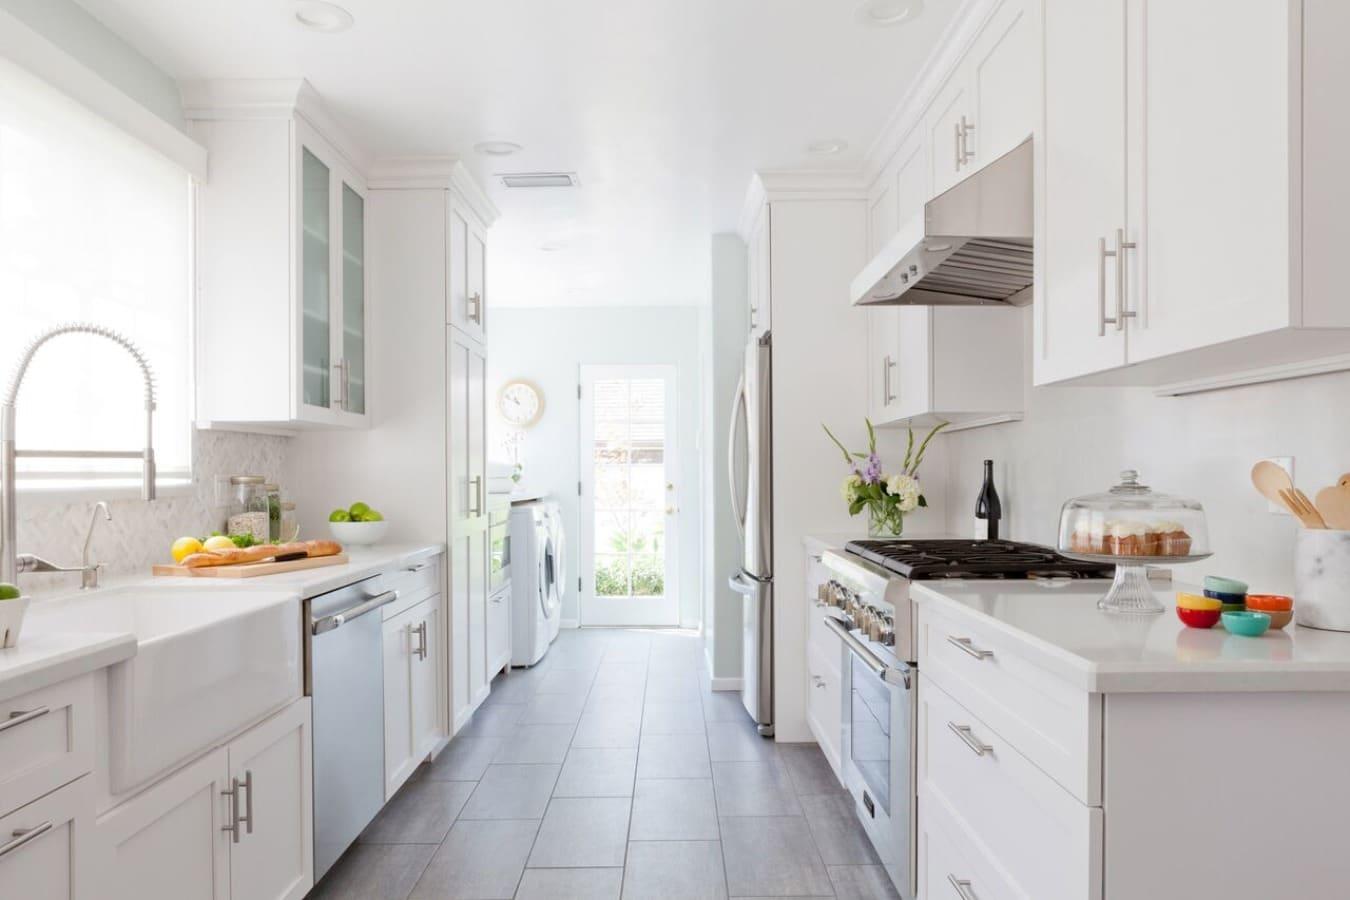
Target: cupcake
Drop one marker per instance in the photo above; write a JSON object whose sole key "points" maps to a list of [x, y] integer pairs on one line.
{"points": [[1122, 537], [1171, 539], [1086, 538]]}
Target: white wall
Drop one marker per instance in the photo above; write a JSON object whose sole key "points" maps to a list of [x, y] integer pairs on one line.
{"points": [[548, 347], [1075, 440], [728, 326]]}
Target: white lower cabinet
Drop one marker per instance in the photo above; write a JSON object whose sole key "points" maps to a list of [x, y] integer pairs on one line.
{"points": [[498, 631], [411, 698], [46, 847], [237, 823]]}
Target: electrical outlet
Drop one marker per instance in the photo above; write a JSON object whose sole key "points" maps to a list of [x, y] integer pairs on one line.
{"points": [[1286, 463]]}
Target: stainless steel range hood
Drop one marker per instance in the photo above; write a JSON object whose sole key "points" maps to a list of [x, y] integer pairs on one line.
{"points": [[970, 247]]}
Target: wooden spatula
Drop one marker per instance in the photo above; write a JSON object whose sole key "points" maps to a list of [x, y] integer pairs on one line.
{"points": [[1270, 480], [1334, 505]]}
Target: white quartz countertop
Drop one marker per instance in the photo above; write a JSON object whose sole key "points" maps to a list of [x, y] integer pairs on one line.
{"points": [[1060, 628], [47, 656]]}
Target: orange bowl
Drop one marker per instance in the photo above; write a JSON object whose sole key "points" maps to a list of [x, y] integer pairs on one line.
{"points": [[1270, 602], [1195, 601]]}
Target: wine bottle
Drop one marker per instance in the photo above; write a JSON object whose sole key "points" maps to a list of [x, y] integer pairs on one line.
{"points": [[988, 510]]}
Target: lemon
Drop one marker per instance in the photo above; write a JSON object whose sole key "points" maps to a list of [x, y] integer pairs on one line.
{"points": [[184, 547], [218, 542]]}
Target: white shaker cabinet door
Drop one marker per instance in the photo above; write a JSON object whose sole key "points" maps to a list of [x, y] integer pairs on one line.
{"points": [[1209, 156], [883, 351], [47, 847], [1004, 71], [947, 125], [1081, 170], [457, 268], [167, 842], [399, 641], [424, 662], [270, 768]]}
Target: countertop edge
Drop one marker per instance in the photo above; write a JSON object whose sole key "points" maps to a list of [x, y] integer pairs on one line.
{"points": [[79, 659]]}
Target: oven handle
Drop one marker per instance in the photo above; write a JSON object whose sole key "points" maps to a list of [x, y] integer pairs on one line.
{"points": [[889, 674]]}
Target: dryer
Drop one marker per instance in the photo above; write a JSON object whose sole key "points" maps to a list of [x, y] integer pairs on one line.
{"points": [[536, 603]]}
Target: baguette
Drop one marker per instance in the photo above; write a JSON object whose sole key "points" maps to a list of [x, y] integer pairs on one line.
{"points": [[238, 556]]}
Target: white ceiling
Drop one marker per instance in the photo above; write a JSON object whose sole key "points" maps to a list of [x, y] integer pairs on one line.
{"points": [[662, 107]]}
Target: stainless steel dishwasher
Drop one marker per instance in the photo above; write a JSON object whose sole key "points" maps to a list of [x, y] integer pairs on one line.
{"points": [[345, 677]]}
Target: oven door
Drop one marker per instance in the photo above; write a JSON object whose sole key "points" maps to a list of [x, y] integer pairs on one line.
{"points": [[878, 750]]}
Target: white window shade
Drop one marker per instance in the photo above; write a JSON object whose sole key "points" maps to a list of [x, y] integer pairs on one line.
{"points": [[94, 226]]}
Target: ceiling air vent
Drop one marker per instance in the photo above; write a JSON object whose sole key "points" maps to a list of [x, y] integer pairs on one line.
{"points": [[539, 179]]}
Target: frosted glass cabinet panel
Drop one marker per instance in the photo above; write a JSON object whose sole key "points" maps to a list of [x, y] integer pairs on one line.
{"points": [[353, 372], [316, 262]]}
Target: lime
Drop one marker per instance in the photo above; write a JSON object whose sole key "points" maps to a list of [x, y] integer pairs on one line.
{"points": [[8, 591], [371, 515], [358, 509], [339, 515]]}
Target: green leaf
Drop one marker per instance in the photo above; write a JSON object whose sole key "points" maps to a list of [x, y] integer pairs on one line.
{"points": [[871, 436], [923, 501], [924, 446], [909, 449], [848, 459], [856, 506]]}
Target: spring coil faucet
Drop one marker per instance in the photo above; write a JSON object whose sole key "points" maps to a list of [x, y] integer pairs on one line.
{"points": [[11, 562]]}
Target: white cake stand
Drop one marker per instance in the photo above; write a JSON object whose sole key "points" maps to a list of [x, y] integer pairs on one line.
{"points": [[1130, 592]]}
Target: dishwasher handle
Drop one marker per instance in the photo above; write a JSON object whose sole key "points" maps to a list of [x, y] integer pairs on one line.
{"points": [[326, 624]]}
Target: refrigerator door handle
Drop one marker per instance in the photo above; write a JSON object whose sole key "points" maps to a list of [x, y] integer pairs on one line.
{"points": [[738, 584], [738, 500]]}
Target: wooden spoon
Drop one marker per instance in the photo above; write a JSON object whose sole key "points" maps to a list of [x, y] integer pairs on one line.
{"points": [[1334, 505], [1270, 480]]}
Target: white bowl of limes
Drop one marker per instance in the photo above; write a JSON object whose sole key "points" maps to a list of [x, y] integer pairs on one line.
{"points": [[13, 606], [358, 525]]}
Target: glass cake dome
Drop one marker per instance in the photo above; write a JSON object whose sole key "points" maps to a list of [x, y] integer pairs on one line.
{"points": [[1133, 526]]}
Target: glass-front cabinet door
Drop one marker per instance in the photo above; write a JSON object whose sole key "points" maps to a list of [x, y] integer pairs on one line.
{"points": [[316, 259], [352, 365]]}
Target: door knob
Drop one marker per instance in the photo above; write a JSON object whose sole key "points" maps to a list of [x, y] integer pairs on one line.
{"points": [[670, 510]]}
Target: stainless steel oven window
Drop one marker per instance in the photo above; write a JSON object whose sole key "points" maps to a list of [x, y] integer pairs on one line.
{"points": [[870, 731]]}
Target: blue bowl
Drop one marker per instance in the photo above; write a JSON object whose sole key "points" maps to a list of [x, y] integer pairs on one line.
{"points": [[1226, 585], [1247, 624], [1227, 598]]}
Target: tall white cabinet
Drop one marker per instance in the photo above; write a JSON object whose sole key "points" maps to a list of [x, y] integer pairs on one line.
{"points": [[282, 313], [430, 262]]}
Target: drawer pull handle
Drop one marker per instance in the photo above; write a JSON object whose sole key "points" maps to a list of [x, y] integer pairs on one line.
{"points": [[24, 835], [965, 646], [18, 717], [962, 886], [417, 568], [969, 739]]}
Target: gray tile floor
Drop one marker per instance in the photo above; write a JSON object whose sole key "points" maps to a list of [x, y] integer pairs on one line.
{"points": [[611, 770]]}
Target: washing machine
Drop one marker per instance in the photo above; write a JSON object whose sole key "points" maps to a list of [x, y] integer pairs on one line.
{"points": [[536, 589]]}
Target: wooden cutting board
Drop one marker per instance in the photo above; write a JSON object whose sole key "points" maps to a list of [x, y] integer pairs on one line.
{"points": [[251, 570]]}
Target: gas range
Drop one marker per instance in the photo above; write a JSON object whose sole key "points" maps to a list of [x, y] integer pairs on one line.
{"points": [[870, 578]]}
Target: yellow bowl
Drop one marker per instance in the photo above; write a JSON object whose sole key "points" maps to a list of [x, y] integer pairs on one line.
{"points": [[1195, 601]]}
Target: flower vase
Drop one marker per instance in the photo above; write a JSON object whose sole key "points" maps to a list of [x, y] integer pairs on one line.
{"points": [[879, 525]]}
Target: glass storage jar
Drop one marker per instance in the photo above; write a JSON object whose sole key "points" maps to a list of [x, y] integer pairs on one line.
{"points": [[1133, 526], [248, 508], [273, 494], [290, 522]]}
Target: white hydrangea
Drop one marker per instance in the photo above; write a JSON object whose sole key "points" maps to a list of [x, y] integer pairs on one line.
{"points": [[906, 488], [849, 489]]}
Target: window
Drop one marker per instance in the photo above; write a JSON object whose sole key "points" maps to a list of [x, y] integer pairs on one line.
{"points": [[94, 226]]}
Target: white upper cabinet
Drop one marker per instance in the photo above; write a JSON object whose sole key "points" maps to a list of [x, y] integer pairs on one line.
{"points": [[466, 300], [1186, 185], [282, 295], [1002, 71], [949, 128]]}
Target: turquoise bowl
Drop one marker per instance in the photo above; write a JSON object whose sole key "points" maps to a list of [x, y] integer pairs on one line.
{"points": [[1247, 624], [1225, 585]]}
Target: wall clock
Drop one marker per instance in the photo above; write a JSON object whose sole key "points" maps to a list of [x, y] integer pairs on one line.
{"points": [[521, 403]]}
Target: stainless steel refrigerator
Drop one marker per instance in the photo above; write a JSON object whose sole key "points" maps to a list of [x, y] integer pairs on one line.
{"points": [[750, 470]]}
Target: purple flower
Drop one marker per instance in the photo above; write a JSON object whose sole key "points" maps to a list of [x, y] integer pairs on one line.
{"points": [[870, 474]]}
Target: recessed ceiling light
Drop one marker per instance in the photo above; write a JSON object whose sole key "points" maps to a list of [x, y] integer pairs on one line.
{"points": [[827, 147], [888, 12], [497, 148], [317, 15]]}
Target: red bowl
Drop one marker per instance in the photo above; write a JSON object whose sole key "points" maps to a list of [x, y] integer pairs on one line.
{"points": [[1198, 618]]}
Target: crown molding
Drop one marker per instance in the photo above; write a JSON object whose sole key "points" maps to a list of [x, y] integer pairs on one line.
{"points": [[226, 99], [434, 172], [782, 185], [951, 48]]}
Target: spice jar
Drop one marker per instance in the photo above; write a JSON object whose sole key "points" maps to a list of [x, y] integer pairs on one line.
{"points": [[248, 507]]}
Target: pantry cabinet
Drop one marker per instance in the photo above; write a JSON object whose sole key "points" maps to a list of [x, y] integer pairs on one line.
{"points": [[236, 823], [411, 696], [282, 300], [1153, 267]]}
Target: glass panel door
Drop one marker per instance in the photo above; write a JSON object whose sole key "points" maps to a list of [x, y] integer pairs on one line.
{"points": [[315, 256], [353, 391], [628, 509]]}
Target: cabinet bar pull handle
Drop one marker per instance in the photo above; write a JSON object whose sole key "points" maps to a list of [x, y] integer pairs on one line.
{"points": [[966, 128], [1102, 254], [417, 568], [1121, 246], [233, 793], [476, 302], [887, 365], [965, 646], [247, 817], [956, 143], [421, 632], [968, 738], [476, 483], [962, 886], [24, 835], [18, 717]]}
